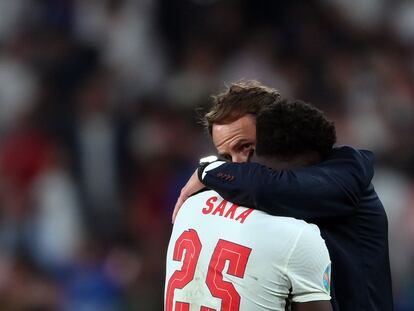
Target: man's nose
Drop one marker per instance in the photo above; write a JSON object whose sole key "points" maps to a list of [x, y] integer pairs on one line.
{"points": [[240, 158]]}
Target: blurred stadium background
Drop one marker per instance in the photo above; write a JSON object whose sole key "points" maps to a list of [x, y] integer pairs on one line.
{"points": [[99, 131]]}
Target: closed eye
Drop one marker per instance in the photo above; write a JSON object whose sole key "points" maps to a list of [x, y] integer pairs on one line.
{"points": [[246, 146]]}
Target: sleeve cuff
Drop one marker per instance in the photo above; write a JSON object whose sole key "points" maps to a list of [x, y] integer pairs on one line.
{"points": [[202, 170], [311, 297]]}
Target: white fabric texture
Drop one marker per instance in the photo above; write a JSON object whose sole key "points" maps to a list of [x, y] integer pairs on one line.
{"points": [[287, 255]]}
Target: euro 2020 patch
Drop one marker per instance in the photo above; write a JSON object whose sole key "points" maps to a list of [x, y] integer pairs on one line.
{"points": [[327, 278]]}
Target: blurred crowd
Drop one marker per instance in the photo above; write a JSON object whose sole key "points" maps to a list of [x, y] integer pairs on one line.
{"points": [[99, 127]]}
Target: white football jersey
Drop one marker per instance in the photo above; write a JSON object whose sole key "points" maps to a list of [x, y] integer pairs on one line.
{"points": [[225, 257]]}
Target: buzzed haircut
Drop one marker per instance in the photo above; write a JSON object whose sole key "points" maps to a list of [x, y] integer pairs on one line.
{"points": [[239, 99], [289, 128]]}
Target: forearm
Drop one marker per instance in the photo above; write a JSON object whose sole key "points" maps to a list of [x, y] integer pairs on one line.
{"points": [[305, 193], [312, 306]]}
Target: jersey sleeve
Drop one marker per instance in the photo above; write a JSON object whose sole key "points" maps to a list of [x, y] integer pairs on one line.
{"points": [[331, 188], [309, 267]]}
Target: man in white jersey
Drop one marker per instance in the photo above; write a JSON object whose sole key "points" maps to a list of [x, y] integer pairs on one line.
{"points": [[220, 256]]}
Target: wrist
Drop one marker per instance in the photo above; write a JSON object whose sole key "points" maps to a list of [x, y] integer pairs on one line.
{"points": [[203, 163]]}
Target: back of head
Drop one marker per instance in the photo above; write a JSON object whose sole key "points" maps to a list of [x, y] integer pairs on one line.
{"points": [[287, 129], [238, 100]]}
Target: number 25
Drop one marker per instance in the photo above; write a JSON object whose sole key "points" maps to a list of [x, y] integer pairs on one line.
{"points": [[236, 254]]}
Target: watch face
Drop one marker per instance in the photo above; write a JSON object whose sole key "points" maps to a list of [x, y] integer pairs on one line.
{"points": [[208, 159]]}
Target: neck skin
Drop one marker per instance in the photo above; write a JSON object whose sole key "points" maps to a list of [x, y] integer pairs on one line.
{"points": [[276, 163]]}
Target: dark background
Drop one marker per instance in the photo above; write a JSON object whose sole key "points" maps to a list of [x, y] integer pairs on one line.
{"points": [[99, 131]]}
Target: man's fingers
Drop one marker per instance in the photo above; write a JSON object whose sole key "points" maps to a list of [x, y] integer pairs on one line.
{"points": [[177, 207], [193, 185], [180, 201]]}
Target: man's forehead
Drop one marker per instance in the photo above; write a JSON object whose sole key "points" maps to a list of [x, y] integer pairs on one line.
{"points": [[245, 122], [242, 128]]}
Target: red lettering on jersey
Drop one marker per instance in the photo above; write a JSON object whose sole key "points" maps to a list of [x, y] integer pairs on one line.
{"points": [[220, 208], [210, 205], [231, 211], [223, 210], [242, 217], [182, 306]]}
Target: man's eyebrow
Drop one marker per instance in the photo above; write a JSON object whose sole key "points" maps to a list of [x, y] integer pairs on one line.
{"points": [[243, 141]]}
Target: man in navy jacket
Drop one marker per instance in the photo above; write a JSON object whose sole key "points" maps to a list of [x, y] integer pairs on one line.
{"points": [[335, 193]]}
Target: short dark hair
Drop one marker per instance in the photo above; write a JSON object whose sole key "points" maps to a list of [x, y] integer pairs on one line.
{"points": [[239, 99], [290, 128]]}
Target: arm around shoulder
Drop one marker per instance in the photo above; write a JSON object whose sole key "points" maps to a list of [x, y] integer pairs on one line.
{"points": [[331, 188]]}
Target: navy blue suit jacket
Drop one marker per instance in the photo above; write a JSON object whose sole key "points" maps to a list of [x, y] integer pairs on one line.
{"points": [[338, 196]]}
